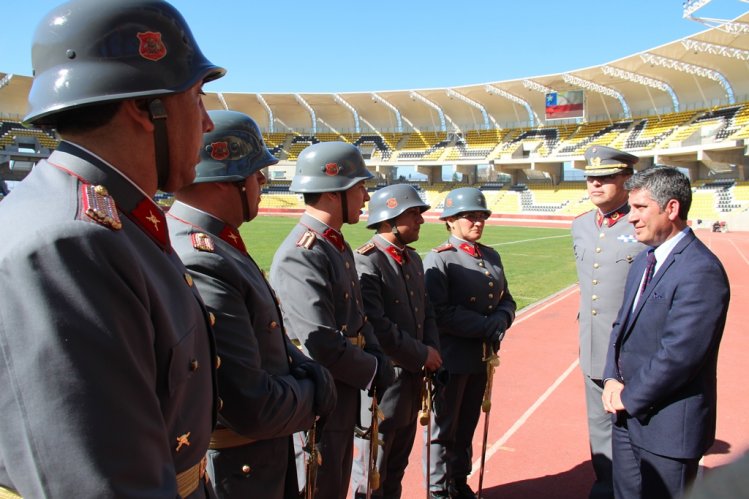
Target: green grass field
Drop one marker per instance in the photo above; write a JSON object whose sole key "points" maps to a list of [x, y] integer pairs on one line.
{"points": [[538, 261]]}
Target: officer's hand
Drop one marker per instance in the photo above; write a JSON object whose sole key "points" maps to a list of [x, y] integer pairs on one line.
{"points": [[434, 360], [495, 339], [325, 392], [385, 375]]}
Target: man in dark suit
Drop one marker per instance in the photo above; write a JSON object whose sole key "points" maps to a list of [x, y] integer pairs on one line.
{"points": [[661, 366]]}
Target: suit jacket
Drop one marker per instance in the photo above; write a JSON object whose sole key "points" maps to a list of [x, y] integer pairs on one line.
{"points": [[665, 351], [603, 256], [261, 399], [106, 354], [397, 306], [471, 300]]}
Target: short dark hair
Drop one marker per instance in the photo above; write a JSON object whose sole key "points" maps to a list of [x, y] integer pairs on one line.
{"points": [[311, 198], [83, 119], [664, 183]]}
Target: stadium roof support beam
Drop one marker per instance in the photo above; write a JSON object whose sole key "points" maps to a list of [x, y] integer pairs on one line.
{"points": [[691, 69], [221, 99], [453, 94], [376, 98], [691, 6], [340, 100], [6, 80], [421, 98], [643, 80], [514, 98], [595, 87], [268, 110], [714, 49], [313, 117]]}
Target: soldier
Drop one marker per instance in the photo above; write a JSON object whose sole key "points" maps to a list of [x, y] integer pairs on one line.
{"points": [[269, 388], [468, 288], [605, 246], [395, 300], [107, 356], [314, 275]]}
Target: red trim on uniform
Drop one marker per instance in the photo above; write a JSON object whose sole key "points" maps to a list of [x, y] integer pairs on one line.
{"points": [[152, 220], [231, 236]]}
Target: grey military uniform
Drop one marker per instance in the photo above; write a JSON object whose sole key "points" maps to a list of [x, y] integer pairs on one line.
{"points": [[314, 274], [604, 249], [106, 355], [468, 288], [399, 310], [263, 404]]}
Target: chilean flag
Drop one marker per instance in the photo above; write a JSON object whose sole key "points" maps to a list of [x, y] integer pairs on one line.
{"points": [[561, 105]]}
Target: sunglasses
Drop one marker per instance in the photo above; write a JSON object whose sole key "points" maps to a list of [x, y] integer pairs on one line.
{"points": [[474, 217]]}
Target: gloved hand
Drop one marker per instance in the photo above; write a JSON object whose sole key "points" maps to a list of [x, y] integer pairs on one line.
{"points": [[325, 392], [494, 338], [385, 375]]}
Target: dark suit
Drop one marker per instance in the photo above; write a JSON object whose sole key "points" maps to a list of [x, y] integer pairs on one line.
{"points": [[665, 352]]}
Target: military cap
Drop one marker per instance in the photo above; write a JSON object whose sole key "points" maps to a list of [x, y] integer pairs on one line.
{"points": [[602, 160]]}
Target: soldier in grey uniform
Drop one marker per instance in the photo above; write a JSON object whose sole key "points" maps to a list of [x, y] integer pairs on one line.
{"points": [[396, 303], [269, 388], [314, 275], [106, 354], [605, 246], [467, 285]]}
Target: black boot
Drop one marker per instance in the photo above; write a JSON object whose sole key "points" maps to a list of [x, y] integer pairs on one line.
{"points": [[459, 489]]}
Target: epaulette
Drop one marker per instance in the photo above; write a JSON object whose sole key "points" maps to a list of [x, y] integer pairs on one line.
{"points": [[366, 248], [202, 241], [307, 240], [99, 206], [444, 247]]}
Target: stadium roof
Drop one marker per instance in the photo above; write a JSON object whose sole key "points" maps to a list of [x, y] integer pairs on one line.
{"points": [[701, 71]]}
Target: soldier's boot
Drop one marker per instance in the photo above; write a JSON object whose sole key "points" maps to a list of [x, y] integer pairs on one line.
{"points": [[459, 489]]}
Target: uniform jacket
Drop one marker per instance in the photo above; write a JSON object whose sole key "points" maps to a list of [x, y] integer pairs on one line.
{"points": [[603, 256], [471, 299], [321, 302], [399, 310], [261, 399], [665, 351], [106, 355]]}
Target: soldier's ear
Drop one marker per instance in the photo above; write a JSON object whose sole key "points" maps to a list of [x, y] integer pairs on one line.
{"points": [[137, 111]]}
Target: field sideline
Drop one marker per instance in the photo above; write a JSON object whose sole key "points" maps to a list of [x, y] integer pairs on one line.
{"points": [[538, 261]]}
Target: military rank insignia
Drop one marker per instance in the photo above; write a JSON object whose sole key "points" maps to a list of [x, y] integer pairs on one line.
{"points": [[99, 206], [365, 248], [307, 240], [202, 242], [442, 248]]}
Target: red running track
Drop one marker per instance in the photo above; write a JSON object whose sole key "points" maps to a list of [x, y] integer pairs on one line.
{"points": [[537, 444]]}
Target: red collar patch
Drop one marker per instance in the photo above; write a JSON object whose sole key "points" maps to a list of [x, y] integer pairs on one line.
{"points": [[151, 219], [335, 238], [398, 255], [471, 249], [231, 236], [151, 46]]}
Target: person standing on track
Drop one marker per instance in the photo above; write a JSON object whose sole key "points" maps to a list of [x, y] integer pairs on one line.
{"points": [[467, 286], [605, 246]]}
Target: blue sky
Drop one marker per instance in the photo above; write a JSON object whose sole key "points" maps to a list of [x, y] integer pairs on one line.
{"points": [[339, 46]]}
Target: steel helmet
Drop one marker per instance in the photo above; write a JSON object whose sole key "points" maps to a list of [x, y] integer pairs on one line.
{"points": [[462, 200], [390, 201], [233, 150], [329, 167], [88, 51]]}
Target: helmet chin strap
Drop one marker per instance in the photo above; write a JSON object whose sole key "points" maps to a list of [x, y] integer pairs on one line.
{"points": [[344, 206], [397, 234], [157, 112], [242, 189]]}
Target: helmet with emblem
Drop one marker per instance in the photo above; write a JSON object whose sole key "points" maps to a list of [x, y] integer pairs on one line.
{"points": [[390, 201], [462, 200], [329, 167], [88, 52], [233, 150]]}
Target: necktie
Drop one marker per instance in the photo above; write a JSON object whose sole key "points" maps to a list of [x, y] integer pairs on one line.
{"points": [[649, 270]]}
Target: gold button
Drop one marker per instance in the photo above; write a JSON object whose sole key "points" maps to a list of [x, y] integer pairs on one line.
{"points": [[101, 190], [418, 326], [416, 309], [411, 292], [472, 299], [246, 469], [194, 364], [594, 312], [211, 318], [396, 301], [481, 264], [490, 307], [486, 272], [598, 250], [344, 328], [594, 297], [491, 295], [273, 324], [629, 258], [347, 265], [595, 265], [595, 281], [345, 296], [601, 235], [220, 404], [408, 276], [188, 279], [491, 284], [218, 361]]}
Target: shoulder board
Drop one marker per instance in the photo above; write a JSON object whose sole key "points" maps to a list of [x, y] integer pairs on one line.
{"points": [[98, 206], [583, 214], [444, 247], [366, 248], [202, 242], [307, 240]]}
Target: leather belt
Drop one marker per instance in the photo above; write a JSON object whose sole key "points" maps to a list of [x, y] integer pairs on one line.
{"points": [[224, 438], [6, 493], [189, 480], [357, 341]]}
